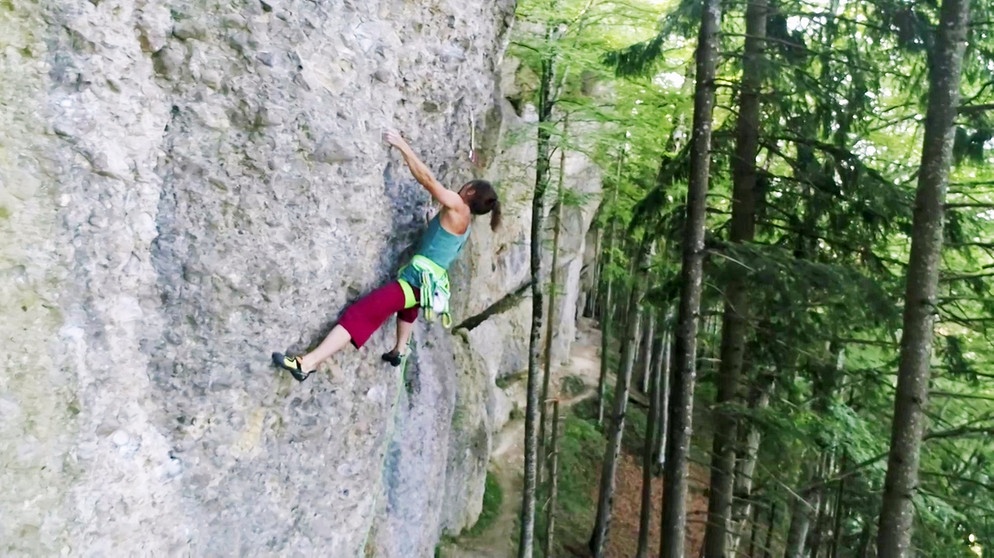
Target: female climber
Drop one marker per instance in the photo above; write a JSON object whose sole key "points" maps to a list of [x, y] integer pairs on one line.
{"points": [[423, 281]]}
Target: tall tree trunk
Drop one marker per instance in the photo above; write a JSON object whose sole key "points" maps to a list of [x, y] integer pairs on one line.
{"points": [[624, 314], [865, 538], [803, 511], [676, 483], [833, 551], [817, 535], [590, 305], [606, 326], [771, 524], [655, 358], [734, 319], [644, 364], [637, 316], [745, 464], [808, 502], [645, 513], [607, 311], [753, 535], [945, 65], [606, 322], [612, 450], [550, 525], [665, 374], [553, 302], [527, 539], [629, 360]]}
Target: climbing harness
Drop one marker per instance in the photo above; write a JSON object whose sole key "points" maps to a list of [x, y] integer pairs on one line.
{"points": [[435, 290]]}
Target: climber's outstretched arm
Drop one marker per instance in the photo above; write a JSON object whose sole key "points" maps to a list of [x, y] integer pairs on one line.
{"points": [[422, 174]]}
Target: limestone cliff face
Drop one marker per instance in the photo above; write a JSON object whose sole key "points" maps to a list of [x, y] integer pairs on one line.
{"points": [[187, 186]]}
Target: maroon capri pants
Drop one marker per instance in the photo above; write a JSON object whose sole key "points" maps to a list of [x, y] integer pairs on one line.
{"points": [[364, 317]]}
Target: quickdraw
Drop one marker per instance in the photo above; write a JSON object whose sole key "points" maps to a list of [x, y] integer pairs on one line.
{"points": [[474, 156]]}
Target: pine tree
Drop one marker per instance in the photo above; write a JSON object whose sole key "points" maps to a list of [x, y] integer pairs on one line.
{"points": [[691, 280], [920, 299], [735, 317]]}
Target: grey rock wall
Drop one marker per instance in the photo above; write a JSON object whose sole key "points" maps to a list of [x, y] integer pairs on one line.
{"points": [[184, 188]]}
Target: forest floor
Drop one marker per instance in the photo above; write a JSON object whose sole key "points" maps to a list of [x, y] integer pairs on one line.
{"points": [[499, 539]]}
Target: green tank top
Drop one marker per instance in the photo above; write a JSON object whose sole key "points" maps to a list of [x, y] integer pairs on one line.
{"points": [[439, 246]]}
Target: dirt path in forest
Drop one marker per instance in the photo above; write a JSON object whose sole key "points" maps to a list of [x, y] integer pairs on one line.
{"points": [[507, 464], [623, 538], [507, 459]]}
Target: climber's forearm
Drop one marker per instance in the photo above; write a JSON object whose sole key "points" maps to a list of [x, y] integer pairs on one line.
{"points": [[423, 174], [420, 170]]}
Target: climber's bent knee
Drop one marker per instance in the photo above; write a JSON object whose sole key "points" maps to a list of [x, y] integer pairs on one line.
{"points": [[364, 317], [408, 315]]}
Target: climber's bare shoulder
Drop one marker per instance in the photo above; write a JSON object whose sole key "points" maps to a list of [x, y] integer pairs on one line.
{"points": [[455, 218], [449, 199]]}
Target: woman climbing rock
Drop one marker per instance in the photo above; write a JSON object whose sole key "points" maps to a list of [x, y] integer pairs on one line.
{"points": [[422, 282]]}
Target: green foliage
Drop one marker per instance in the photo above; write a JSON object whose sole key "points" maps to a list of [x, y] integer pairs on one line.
{"points": [[573, 385], [637, 60], [636, 428], [581, 448], [440, 547], [517, 413], [493, 498], [581, 445], [506, 381], [843, 97]]}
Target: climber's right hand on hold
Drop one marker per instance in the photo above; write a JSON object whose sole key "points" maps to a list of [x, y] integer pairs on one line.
{"points": [[393, 138], [447, 198]]}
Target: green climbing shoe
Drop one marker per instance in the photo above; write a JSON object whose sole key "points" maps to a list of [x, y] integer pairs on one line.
{"points": [[292, 365]]}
